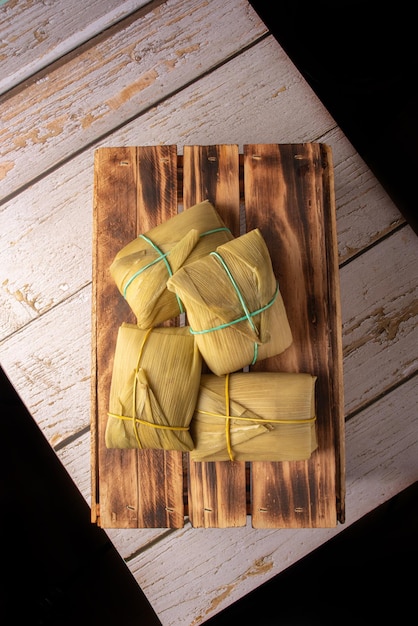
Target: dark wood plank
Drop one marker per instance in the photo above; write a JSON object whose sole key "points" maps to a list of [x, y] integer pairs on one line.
{"points": [[212, 173], [134, 189], [115, 504], [160, 472], [217, 491], [289, 197]]}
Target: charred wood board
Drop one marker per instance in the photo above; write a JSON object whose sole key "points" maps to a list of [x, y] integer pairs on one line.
{"points": [[287, 191]]}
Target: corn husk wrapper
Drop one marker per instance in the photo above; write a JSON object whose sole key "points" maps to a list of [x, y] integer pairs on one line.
{"points": [[141, 273], [156, 376], [260, 398], [213, 304]]}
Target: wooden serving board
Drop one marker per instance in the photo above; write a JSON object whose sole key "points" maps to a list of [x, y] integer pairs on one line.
{"points": [[287, 192]]}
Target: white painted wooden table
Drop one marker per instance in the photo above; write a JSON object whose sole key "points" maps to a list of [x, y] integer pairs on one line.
{"points": [[77, 77]]}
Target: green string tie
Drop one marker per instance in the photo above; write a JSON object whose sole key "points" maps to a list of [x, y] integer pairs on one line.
{"points": [[163, 257], [247, 314]]}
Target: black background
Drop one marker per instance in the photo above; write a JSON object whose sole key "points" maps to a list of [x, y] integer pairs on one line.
{"points": [[361, 59]]}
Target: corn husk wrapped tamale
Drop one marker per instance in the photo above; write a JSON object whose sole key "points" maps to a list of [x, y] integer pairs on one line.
{"points": [[233, 304], [155, 379], [255, 416], [141, 268]]}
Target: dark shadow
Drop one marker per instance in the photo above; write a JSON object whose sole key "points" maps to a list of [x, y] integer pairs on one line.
{"points": [[361, 59], [58, 568]]}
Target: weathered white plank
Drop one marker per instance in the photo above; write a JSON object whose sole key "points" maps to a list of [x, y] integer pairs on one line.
{"points": [[35, 34], [382, 448], [49, 364], [46, 231], [112, 82], [74, 455], [45, 244], [258, 96], [365, 213], [380, 319]]}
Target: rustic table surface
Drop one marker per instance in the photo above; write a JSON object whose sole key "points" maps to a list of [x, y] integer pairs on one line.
{"points": [[75, 78]]}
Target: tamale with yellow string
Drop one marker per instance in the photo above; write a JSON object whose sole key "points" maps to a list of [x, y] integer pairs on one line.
{"points": [[154, 387], [233, 303], [141, 268], [255, 416]]}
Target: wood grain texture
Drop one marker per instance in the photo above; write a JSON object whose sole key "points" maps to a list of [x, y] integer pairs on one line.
{"points": [[289, 196], [33, 38], [113, 81], [133, 488], [160, 472], [114, 194], [217, 491], [380, 326]]}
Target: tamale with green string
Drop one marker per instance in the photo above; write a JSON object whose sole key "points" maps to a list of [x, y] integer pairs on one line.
{"points": [[155, 382], [141, 268], [234, 306], [255, 416]]}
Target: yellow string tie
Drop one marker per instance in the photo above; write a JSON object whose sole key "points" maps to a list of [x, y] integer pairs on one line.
{"points": [[145, 423], [258, 420]]}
